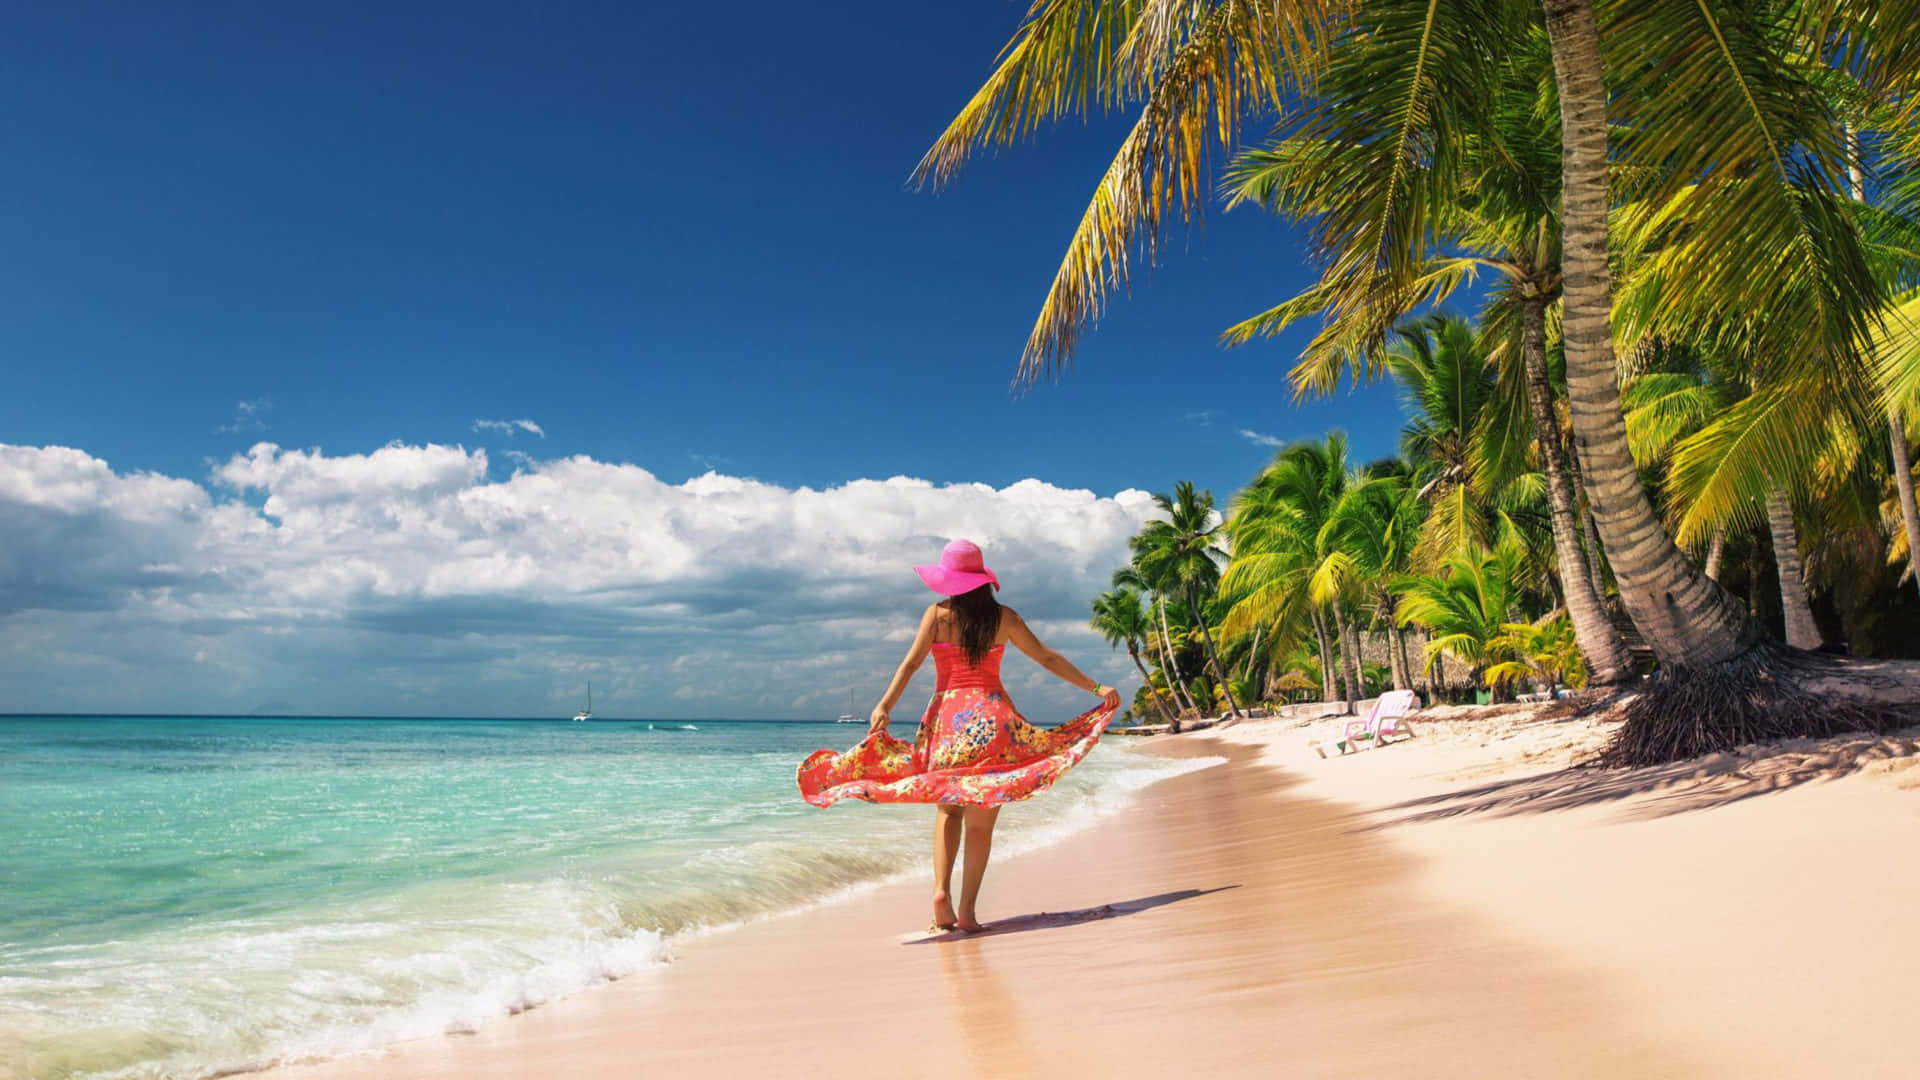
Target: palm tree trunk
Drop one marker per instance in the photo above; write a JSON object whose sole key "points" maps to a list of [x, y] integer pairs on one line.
{"points": [[1349, 663], [1716, 552], [1172, 666], [1498, 694], [1802, 632], [1396, 646], [1592, 629], [1147, 680], [1903, 482], [1219, 671], [1400, 649], [1596, 567], [1326, 656], [1687, 619], [1596, 556], [1359, 658], [1395, 660]]}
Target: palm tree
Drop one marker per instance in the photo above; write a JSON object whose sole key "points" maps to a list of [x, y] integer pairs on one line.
{"points": [[1543, 651], [1707, 97], [1265, 584], [1375, 528], [1129, 577], [1895, 404], [1675, 421], [1736, 127], [1463, 453], [1181, 552], [1704, 96], [1121, 618], [1466, 607], [1785, 421], [1284, 551], [1897, 347]]}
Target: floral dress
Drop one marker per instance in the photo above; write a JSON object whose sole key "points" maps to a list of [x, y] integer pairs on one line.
{"points": [[972, 747]]}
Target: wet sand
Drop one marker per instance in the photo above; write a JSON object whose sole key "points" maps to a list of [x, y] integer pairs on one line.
{"points": [[1227, 925]]}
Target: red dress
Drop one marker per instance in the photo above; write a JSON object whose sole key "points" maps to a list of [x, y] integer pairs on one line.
{"points": [[972, 747]]}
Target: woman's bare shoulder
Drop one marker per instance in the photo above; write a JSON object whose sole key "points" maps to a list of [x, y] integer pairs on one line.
{"points": [[938, 620]]}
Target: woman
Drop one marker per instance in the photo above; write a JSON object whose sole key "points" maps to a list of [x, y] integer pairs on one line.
{"points": [[973, 752]]}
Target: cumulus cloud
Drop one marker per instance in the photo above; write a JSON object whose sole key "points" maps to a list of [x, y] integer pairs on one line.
{"points": [[1261, 439], [510, 427], [406, 580]]}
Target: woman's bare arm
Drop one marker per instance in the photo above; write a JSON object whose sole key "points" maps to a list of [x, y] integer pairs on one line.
{"points": [[1024, 640], [916, 655]]}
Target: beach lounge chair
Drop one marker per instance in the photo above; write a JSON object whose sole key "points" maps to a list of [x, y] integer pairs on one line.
{"points": [[1386, 720]]}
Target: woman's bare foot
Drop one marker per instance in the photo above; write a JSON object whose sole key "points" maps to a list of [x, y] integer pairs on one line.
{"points": [[943, 917], [969, 924]]}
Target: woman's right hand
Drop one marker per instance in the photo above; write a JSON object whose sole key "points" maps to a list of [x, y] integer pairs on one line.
{"points": [[1111, 696], [878, 721]]}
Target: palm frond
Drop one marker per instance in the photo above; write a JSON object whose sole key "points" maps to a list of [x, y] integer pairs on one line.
{"points": [[1063, 57], [1736, 165]]}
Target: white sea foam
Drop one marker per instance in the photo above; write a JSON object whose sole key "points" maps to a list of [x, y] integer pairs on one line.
{"points": [[246, 995]]}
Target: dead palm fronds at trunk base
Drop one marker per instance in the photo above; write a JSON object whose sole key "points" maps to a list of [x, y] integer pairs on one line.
{"points": [[1768, 692]]}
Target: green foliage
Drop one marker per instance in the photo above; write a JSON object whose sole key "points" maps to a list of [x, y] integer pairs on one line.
{"points": [[1543, 651], [1465, 606], [1121, 618], [1419, 145]]}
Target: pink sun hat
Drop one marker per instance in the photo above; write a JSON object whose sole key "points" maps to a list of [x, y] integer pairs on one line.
{"points": [[959, 570]]}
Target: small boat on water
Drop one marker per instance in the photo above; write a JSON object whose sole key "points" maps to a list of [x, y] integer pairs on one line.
{"points": [[848, 717], [586, 713]]}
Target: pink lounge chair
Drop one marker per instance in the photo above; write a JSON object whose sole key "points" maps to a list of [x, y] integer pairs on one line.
{"points": [[1386, 720]]}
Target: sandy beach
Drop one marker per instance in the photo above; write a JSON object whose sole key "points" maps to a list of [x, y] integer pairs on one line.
{"points": [[1461, 904]]}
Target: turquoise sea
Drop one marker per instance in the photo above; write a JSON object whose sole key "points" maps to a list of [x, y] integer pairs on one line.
{"points": [[184, 896]]}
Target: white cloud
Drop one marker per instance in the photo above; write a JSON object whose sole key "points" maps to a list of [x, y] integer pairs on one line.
{"points": [[406, 580], [1261, 439], [510, 427], [246, 416]]}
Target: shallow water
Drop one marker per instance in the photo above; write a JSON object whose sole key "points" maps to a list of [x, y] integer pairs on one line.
{"points": [[181, 896]]}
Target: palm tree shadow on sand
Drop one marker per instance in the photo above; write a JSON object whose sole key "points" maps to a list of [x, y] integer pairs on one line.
{"points": [[1700, 783], [1046, 920]]}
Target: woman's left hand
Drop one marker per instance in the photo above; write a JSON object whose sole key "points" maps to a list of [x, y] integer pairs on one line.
{"points": [[1109, 695], [878, 721]]}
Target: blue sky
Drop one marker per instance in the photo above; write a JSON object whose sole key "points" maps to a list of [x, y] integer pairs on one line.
{"points": [[673, 239]]}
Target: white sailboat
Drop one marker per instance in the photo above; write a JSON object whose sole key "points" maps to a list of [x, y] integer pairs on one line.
{"points": [[586, 713], [848, 717]]}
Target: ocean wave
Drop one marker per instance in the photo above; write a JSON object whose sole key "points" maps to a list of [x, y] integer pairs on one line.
{"points": [[247, 995]]}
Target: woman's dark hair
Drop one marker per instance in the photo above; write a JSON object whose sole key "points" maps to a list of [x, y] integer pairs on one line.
{"points": [[978, 616]]}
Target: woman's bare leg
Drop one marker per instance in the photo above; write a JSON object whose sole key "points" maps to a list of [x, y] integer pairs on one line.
{"points": [[980, 821], [946, 845]]}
